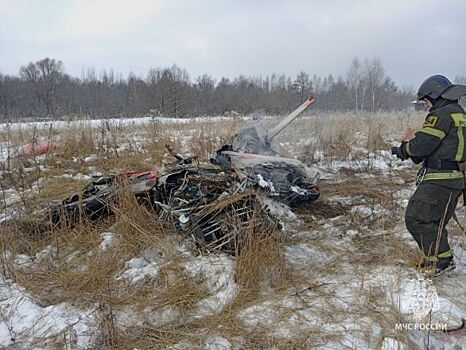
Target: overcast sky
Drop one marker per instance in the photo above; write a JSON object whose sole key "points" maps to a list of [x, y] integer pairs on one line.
{"points": [[414, 38]]}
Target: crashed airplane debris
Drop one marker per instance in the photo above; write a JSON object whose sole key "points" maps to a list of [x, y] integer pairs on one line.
{"points": [[214, 204], [252, 155]]}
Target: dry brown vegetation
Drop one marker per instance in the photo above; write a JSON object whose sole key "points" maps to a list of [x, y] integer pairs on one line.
{"points": [[78, 272]]}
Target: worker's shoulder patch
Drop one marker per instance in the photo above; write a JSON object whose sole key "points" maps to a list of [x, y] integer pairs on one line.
{"points": [[459, 119], [431, 121]]}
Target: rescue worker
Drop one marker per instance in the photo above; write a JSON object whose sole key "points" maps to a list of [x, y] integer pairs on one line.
{"points": [[440, 146]]}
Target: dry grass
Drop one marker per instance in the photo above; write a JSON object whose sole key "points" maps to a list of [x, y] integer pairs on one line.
{"points": [[79, 272], [261, 262], [336, 136]]}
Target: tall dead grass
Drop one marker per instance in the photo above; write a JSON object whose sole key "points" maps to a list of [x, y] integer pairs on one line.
{"points": [[260, 261], [339, 136], [71, 266]]}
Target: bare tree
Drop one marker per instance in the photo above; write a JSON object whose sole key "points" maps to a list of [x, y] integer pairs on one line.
{"points": [[43, 87], [204, 89], [45, 75], [303, 85], [375, 75], [354, 82], [4, 110]]}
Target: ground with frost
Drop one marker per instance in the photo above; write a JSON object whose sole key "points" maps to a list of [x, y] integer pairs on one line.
{"points": [[354, 285]]}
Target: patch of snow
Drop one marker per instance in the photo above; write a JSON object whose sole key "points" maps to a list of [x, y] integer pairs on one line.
{"points": [[268, 314], [45, 254], [131, 317], [402, 196], [10, 196], [218, 275], [370, 212], [447, 312], [24, 322], [341, 199], [392, 344], [264, 314], [137, 269], [217, 343], [302, 255], [22, 260], [360, 160], [352, 233], [7, 216], [183, 345], [108, 240], [77, 176], [90, 159]]}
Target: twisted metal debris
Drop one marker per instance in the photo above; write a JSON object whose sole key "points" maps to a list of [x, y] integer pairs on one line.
{"points": [[214, 204]]}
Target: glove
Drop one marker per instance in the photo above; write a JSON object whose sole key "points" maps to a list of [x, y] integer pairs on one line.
{"points": [[400, 152]]}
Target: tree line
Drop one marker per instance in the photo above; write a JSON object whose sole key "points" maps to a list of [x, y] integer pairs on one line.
{"points": [[43, 89]]}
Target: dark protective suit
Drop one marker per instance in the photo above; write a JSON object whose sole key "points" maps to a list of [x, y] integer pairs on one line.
{"points": [[440, 143]]}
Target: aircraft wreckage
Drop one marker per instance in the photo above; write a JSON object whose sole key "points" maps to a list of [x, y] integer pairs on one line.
{"points": [[213, 203]]}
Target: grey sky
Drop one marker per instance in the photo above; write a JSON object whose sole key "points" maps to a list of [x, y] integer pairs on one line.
{"points": [[414, 38]]}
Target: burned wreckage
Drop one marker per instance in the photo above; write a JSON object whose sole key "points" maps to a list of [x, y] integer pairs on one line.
{"points": [[213, 203]]}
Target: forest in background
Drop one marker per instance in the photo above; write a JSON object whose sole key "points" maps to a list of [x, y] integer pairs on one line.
{"points": [[43, 89]]}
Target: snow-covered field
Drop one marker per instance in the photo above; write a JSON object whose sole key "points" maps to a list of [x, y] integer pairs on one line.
{"points": [[61, 124], [344, 276]]}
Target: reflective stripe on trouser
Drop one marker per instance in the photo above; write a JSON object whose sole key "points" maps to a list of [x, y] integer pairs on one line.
{"points": [[426, 208], [452, 175], [443, 255]]}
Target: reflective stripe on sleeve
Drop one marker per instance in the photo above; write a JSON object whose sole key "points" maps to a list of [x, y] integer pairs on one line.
{"points": [[433, 132], [460, 123], [408, 150]]}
